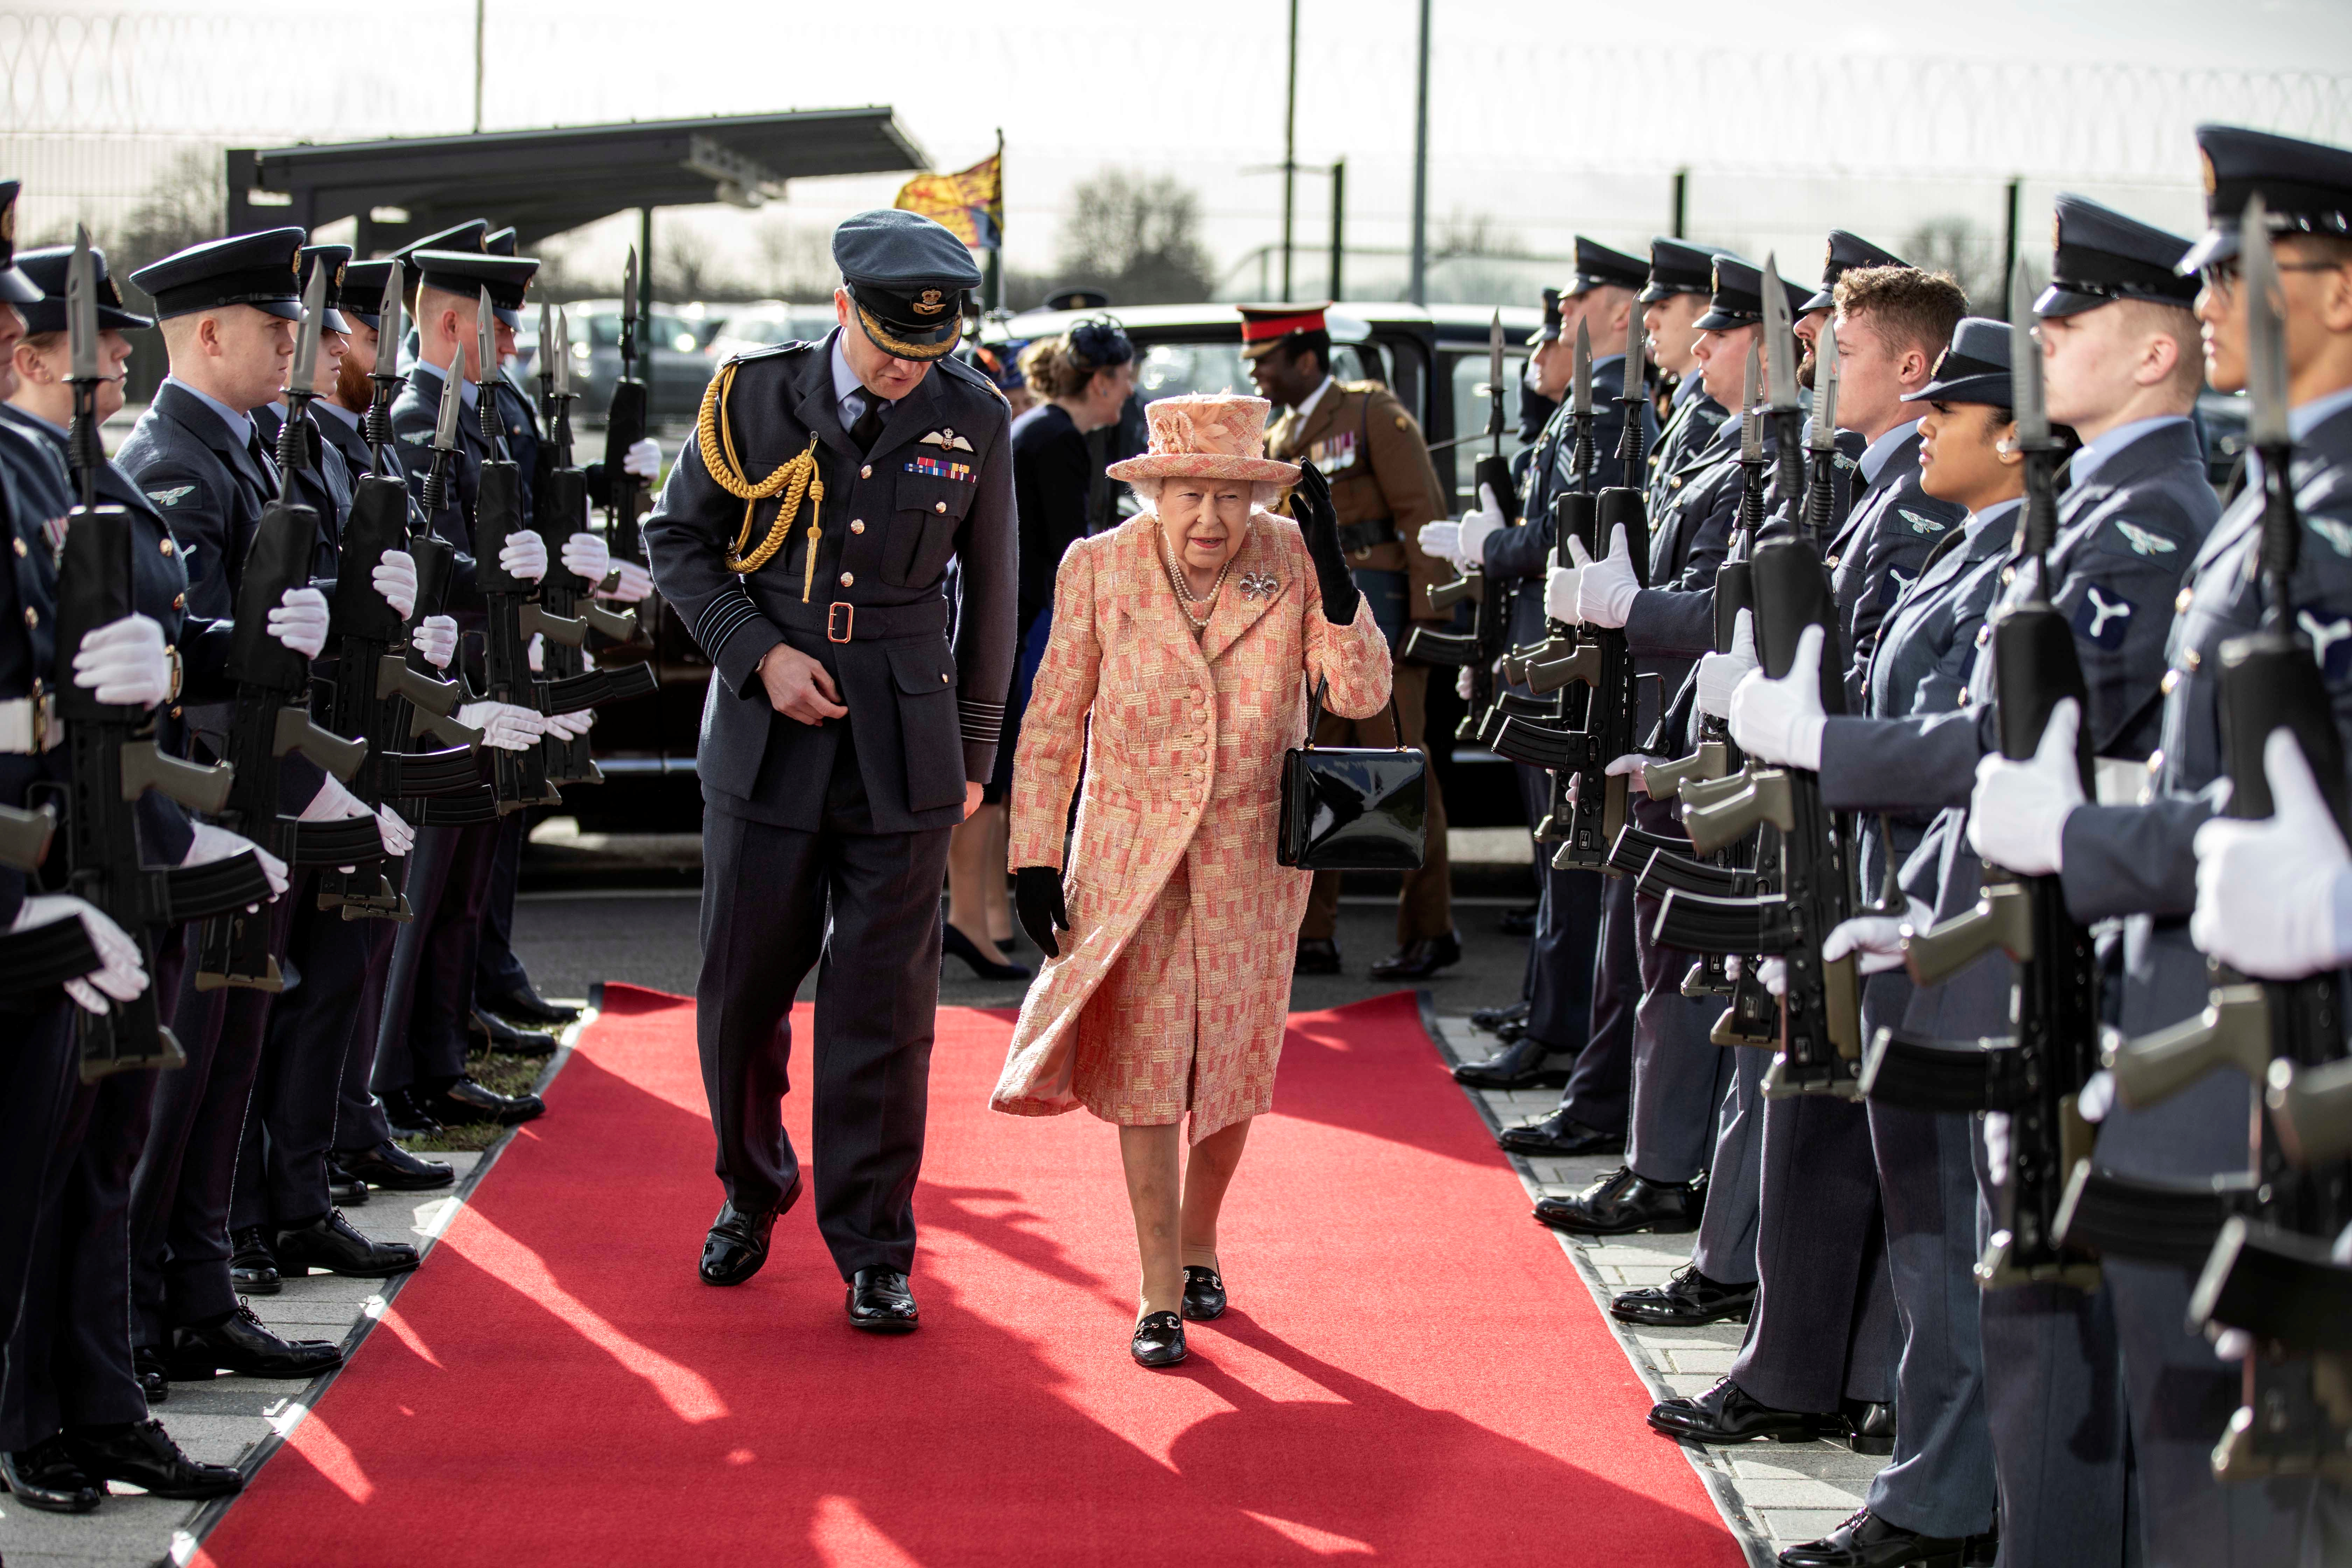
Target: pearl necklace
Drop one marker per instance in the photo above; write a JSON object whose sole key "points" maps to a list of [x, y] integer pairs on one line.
{"points": [[1185, 597]]}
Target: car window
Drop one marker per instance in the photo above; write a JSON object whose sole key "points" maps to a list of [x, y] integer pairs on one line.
{"points": [[1467, 375], [1176, 369]]}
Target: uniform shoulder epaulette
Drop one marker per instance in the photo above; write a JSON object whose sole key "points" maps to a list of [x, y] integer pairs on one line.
{"points": [[973, 375], [768, 351], [1363, 387]]}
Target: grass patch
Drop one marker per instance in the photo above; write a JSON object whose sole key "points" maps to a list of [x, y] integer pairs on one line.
{"points": [[497, 1070]]}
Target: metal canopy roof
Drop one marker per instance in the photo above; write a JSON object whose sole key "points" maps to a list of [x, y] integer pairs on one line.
{"points": [[545, 182]]}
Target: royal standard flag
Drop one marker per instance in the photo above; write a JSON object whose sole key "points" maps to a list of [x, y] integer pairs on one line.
{"points": [[969, 202]]}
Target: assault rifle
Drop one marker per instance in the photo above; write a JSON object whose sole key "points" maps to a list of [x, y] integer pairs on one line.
{"points": [[112, 746], [624, 427], [1478, 648], [2035, 1075], [378, 695], [271, 718], [2297, 1413]]}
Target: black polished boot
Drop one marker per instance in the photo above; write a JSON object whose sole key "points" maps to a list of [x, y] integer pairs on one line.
{"points": [[1866, 1541], [1622, 1202], [1559, 1136], [142, 1453], [45, 1476], [1725, 1414], [330, 1243], [881, 1303], [1522, 1063], [1686, 1300], [252, 1267]]}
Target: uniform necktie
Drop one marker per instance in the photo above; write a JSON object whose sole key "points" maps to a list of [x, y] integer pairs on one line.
{"points": [[868, 429], [263, 462]]}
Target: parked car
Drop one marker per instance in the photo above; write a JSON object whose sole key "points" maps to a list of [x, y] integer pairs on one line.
{"points": [[1433, 358], [670, 359]]}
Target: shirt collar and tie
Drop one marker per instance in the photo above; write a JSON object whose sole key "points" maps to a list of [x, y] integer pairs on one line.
{"points": [[1875, 457], [1307, 405], [239, 424], [2096, 453], [861, 411], [467, 391]]}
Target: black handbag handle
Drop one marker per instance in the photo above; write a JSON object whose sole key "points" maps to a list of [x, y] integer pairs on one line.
{"points": [[1315, 714]]}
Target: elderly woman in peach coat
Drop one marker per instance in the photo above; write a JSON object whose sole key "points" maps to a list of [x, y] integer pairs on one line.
{"points": [[1185, 646]]}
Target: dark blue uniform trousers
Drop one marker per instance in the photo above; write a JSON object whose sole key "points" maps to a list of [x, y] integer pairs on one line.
{"points": [[1601, 1083], [1725, 1249], [1679, 1074], [39, 1074], [428, 999], [1562, 956], [496, 971]]}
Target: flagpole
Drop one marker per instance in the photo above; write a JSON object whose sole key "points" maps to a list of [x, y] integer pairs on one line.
{"points": [[994, 288]]}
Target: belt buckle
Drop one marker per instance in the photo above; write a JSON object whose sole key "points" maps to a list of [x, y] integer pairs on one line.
{"points": [[840, 620]]}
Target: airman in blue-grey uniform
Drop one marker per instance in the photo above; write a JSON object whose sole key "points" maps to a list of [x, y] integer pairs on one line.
{"points": [[842, 736]]}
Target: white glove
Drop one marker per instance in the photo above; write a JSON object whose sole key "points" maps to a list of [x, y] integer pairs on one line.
{"points": [[125, 662], [534, 652], [300, 621], [1605, 590], [332, 802], [2266, 888], [436, 637], [585, 555], [395, 578], [1877, 938], [1477, 527], [2096, 1097], [643, 460], [212, 844], [1772, 973], [399, 838], [1560, 585], [1442, 539], [119, 974], [1718, 673], [1781, 721], [1995, 1142], [524, 555], [503, 725], [1465, 681], [1629, 767], [637, 584], [2017, 813], [570, 726]]}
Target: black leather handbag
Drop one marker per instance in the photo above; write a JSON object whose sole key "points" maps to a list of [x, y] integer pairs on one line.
{"points": [[1353, 808]]}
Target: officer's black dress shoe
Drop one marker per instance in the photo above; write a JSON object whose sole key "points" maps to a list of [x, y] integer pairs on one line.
{"points": [[738, 1243], [142, 1453], [238, 1341], [1420, 959], [147, 1365], [527, 1005], [1559, 1136], [45, 1476], [331, 1243], [344, 1190], [1158, 1339], [395, 1169], [1725, 1414], [1866, 1541], [953, 943], [1487, 1019], [1521, 1063], [463, 1102], [403, 1110], [1317, 955], [1874, 1428], [1620, 1202], [880, 1303], [1520, 922], [504, 1036], [1686, 1300], [252, 1266], [1204, 1294]]}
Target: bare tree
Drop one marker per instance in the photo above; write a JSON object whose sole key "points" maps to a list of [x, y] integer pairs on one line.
{"points": [[1957, 246], [1475, 233], [1137, 237], [185, 204]]}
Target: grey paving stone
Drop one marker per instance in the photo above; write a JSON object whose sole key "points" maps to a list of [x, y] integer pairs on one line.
{"points": [[1801, 1494], [1790, 1525]]}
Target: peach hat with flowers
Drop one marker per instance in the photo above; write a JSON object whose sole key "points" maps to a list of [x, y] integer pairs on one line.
{"points": [[1218, 435]]}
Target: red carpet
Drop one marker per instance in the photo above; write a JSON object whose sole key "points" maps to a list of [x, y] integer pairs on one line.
{"points": [[1411, 1371]]}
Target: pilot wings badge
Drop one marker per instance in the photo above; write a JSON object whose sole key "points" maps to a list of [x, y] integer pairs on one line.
{"points": [[948, 439], [2145, 541]]}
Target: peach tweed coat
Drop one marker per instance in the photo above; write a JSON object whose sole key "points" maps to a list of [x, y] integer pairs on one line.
{"points": [[1181, 805]]}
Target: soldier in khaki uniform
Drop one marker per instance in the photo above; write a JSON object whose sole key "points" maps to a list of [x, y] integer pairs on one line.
{"points": [[1385, 487]]}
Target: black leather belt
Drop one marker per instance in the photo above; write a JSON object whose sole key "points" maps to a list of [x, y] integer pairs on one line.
{"points": [[841, 621], [1356, 537]]}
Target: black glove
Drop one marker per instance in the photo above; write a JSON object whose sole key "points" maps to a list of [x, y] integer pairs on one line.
{"points": [[1319, 524], [1037, 900]]}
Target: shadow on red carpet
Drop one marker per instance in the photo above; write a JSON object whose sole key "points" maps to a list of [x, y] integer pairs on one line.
{"points": [[1410, 1372]]}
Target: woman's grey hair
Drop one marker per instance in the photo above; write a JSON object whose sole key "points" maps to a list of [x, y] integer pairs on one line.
{"points": [[1262, 495]]}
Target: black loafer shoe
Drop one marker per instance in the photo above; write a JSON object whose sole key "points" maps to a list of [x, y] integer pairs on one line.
{"points": [[1865, 1541], [1420, 959], [395, 1169], [252, 1267], [241, 1342], [1204, 1294], [142, 1453], [1520, 922], [1559, 1136], [1317, 955], [1158, 1339], [1725, 1414], [1521, 1063], [463, 1102], [1622, 1202], [1873, 1426], [147, 1365], [504, 1036], [1487, 1019], [880, 1303], [45, 1476], [344, 1190], [1688, 1300], [330, 1243], [737, 1242], [527, 1005]]}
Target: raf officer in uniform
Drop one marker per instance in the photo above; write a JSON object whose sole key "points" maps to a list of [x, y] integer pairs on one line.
{"points": [[1385, 487], [1675, 295], [805, 539]]}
